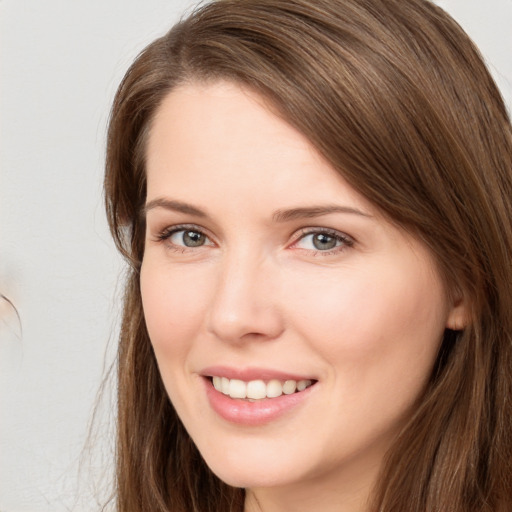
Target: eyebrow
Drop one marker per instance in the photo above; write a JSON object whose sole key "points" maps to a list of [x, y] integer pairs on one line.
{"points": [[278, 216], [176, 206], [314, 211]]}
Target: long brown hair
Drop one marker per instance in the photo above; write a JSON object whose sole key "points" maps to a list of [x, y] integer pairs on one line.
{"points": [[396, 98]]}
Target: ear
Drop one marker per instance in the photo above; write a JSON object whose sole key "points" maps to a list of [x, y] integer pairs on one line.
{"points": [[459, 314]]}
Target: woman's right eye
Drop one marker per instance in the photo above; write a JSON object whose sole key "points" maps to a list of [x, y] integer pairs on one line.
{"points": [[185, 237], [189, 238]]}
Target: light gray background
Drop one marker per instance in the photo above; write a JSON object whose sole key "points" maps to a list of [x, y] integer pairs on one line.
{"points": [[60, 64]]}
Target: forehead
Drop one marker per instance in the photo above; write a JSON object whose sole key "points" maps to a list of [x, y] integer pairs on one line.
{"points": [[222, 138], [227, 114]]}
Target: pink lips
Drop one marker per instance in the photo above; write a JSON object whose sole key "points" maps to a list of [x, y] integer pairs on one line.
{"points": [[244, 412]]}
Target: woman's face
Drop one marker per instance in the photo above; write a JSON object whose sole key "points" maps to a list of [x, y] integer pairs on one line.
{"points": [[267, 273]]}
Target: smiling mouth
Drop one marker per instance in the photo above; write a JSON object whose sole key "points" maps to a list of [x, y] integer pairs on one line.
{"points": [[258, 389]]}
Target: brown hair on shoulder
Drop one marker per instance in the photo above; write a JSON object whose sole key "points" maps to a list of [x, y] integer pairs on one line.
{"points": [[397, 99]]}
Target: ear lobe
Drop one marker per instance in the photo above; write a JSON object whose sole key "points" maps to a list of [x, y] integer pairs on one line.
{"points": [[459, 315]]}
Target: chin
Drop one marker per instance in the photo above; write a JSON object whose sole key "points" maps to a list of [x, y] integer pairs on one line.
{"points": [[255, 467], [248, 477]]}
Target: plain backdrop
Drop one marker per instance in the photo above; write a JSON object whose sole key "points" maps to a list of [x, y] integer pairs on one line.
{"points": [[60, 63]]}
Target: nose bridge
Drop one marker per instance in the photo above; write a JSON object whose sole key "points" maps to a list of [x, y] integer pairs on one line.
{"points": [[244, 303]]}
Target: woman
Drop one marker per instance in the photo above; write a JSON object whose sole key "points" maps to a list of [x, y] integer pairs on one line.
{"points": [[315, 200]]}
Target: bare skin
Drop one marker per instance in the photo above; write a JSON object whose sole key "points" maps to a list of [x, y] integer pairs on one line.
{"points": [[260, 256]]}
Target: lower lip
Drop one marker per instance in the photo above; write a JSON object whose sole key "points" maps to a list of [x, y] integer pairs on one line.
{"points": [[256, 413]]}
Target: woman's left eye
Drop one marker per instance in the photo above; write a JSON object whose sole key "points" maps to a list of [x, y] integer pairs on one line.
{"points": [[323, 241]]}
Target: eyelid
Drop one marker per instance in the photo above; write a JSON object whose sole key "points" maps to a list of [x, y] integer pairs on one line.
{"points": [[347, 240], [320, 229], [163, 235]]}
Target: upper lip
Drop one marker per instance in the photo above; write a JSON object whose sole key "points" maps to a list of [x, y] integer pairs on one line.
{"points": [[252, 373]]}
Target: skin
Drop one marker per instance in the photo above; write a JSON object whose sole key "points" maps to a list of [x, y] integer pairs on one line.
{"points": [[365, 318]]}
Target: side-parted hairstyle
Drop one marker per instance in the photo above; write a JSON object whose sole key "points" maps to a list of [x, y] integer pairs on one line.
{"points": [[395, 96]]}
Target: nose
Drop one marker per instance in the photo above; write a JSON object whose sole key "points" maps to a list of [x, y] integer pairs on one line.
{"points": [[244, 305]]}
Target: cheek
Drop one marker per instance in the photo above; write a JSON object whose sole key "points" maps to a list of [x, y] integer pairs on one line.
{"points": [[376, 329], [174, 305]]}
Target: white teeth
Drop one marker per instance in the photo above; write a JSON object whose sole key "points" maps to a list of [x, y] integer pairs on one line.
{"points": [[303, 384], [258, 389], [217, 383], [237, 388], [224, 385], [274, 389], [289, 387]]}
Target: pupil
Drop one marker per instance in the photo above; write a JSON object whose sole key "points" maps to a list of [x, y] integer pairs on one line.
{"points": [[322, 241], [193, 238]]}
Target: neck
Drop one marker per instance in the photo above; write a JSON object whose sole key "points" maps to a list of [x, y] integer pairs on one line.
{"points": [[344, 493]]}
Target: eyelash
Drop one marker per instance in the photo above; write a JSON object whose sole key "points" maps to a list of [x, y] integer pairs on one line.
{"points": [[167, 233], [344, 240]]}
